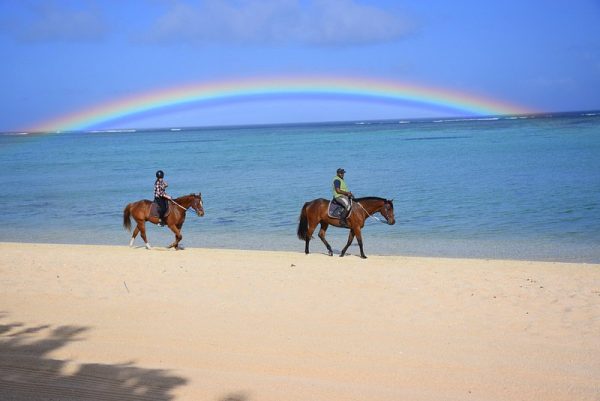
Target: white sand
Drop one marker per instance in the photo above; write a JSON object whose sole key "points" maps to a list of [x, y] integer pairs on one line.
{"points": [[114, 323]]}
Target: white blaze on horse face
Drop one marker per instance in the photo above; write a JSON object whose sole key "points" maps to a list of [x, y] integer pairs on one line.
{"points": [[200, 210]]}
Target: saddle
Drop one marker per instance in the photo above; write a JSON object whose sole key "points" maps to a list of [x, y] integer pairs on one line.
{"points": [[154, 210], [335, 209]]}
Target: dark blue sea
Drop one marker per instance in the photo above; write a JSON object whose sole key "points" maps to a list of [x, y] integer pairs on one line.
{"points": [[502, 187]]}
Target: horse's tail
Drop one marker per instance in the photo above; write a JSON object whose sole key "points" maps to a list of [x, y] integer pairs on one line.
{"points": [[126, 216], [303, 224]]}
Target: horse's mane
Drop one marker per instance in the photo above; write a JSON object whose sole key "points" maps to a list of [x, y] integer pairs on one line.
{"points": [[375, 198], [371, 198], [185, 196]]}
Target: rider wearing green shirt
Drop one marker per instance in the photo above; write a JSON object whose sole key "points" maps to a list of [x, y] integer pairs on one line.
{"points": [[341, 194]]}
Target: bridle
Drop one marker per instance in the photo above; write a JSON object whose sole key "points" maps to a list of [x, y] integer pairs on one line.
{"points": [[375, 217], [197, 210], [198, 200]]}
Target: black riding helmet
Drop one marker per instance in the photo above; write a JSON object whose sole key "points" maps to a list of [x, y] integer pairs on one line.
{"points": [[341, 171], [160, 174]]}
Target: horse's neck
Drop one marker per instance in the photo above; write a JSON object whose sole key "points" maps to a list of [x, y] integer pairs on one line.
{"points": [[185, 201], [372, 206]]}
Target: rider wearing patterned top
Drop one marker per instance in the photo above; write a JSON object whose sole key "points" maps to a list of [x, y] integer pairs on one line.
{"points": [[341, 194], [160, 196]]}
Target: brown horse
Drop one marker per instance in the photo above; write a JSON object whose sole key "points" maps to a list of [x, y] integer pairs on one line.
{"points": [[140, 211], [315, 212]]}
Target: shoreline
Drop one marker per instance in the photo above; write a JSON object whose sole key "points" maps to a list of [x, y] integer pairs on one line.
{"points": [[113, 322], [446, 251]]}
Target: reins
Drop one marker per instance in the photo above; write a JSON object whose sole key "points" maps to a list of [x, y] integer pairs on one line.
{"points": [[183, 208], [178, 204], [369, 214]]}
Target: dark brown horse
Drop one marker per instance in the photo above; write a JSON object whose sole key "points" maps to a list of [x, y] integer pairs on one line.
{"points": [[315, 212], [140, 211]]}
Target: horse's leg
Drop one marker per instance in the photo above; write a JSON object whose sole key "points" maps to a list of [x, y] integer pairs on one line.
{"points": [[136, 231], [360, 243], [309, 232], [350, 239], [142, 226], [178, 236], [322, 236]]}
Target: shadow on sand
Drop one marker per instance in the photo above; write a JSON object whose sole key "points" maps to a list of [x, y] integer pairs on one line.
{"points": [[28, 373]]}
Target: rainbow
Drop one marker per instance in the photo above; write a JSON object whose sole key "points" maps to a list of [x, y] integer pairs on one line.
{"points": [[236, 90]]}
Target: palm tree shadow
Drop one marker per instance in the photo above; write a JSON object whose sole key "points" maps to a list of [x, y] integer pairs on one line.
{"points": [[28, 373], [236, 397]]}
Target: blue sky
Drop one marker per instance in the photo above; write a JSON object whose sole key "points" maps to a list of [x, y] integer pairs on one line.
{"points": [[61, 56]]}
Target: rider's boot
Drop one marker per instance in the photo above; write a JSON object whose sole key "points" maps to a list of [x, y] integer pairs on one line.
{"points": [[343, 216]]}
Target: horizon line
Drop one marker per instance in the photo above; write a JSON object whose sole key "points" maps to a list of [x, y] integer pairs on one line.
{"points": [[441, 118]]}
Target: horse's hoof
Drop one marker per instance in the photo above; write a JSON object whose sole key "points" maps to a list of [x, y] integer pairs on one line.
{"points": [[330, 253], [341, 255], [363, 257], [131, 243], [148, 246]]}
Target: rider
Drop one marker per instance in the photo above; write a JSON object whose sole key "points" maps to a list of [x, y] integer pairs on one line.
{"points": [[160, 196], [341, 194]]}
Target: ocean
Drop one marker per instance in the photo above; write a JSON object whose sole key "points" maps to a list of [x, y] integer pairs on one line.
{"points": [[501, 187]]}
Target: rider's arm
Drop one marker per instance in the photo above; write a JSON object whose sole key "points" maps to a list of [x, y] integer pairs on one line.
{"points": [[165, 195], [336, 184]]}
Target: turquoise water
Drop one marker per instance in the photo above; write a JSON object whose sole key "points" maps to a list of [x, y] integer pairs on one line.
{"points": [[497, 188]]}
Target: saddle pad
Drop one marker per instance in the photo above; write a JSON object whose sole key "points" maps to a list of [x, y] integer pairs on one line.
{"points": [[335, 210], [154, 210]]}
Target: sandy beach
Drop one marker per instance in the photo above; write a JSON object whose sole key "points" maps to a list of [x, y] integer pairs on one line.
{"points": [[117, 323]]}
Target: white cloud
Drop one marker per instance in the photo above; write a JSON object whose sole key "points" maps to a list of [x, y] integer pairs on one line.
{"points": [[316, 22], [48, 22]]}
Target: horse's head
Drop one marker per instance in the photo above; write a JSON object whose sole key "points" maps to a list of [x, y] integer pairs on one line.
{"points": [[387, 211], [197, 204]]}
